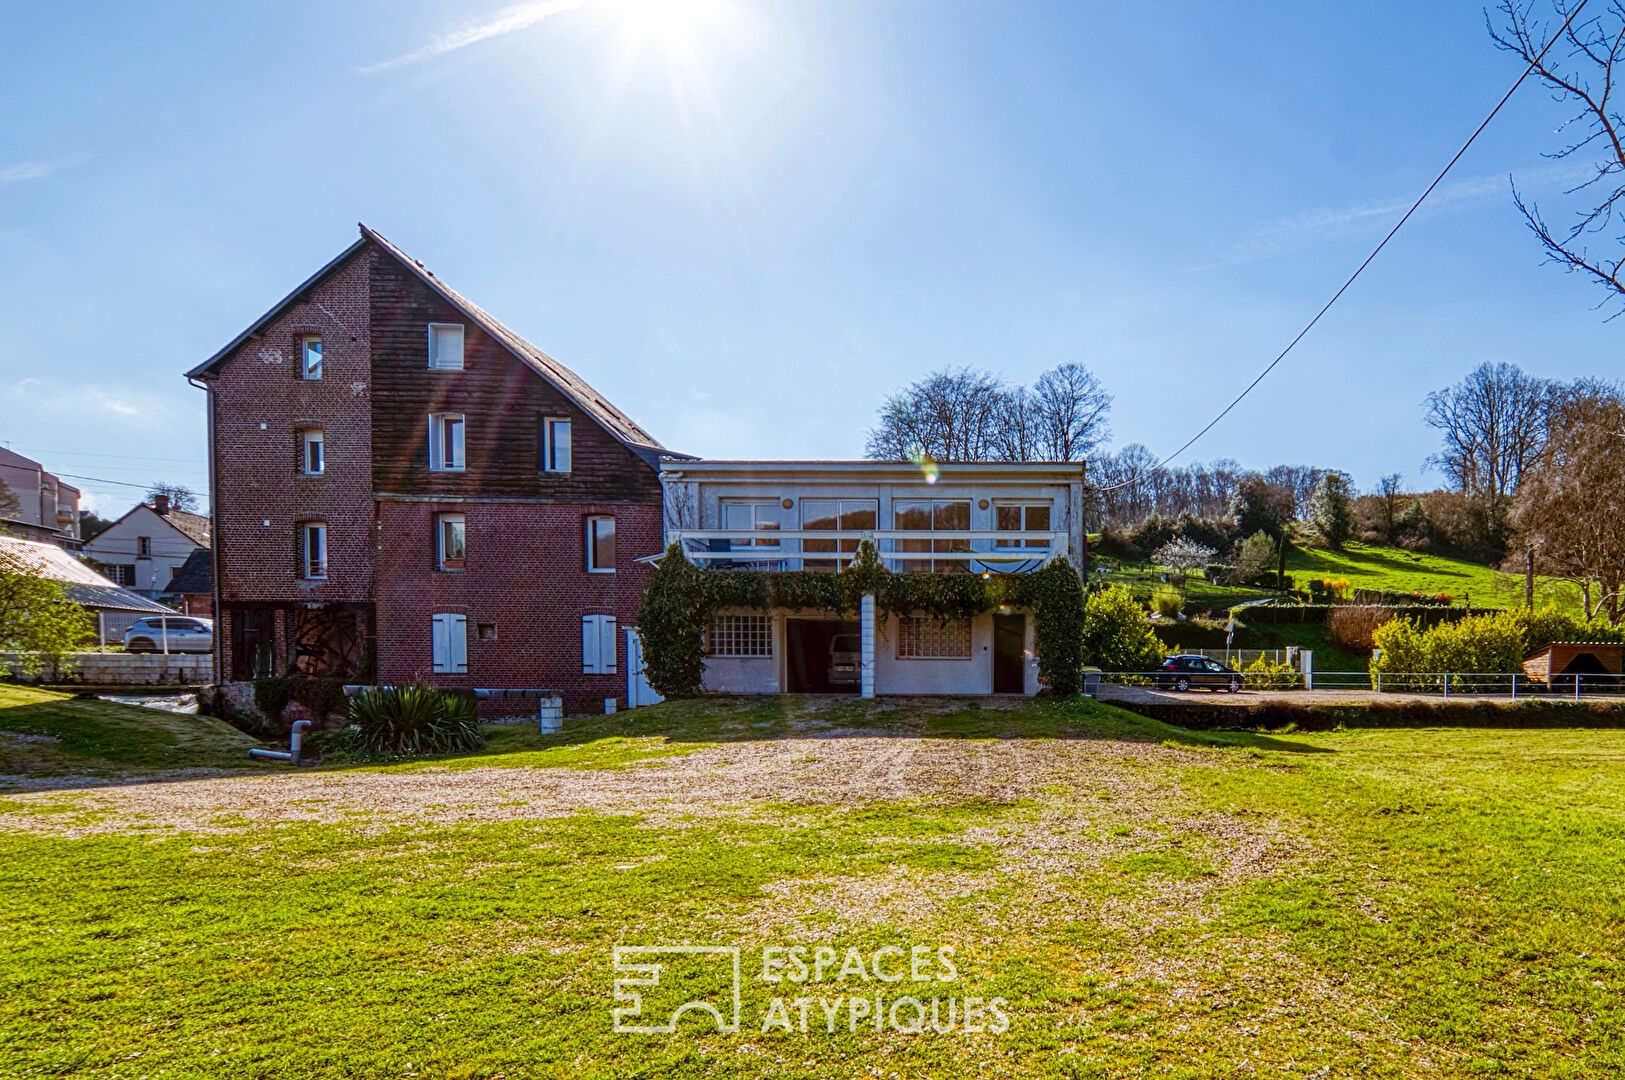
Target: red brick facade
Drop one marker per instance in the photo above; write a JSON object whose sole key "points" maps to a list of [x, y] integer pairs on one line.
{"points": [[525, 585]]}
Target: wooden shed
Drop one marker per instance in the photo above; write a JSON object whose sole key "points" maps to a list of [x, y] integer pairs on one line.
{"points": [[1575, 658]]}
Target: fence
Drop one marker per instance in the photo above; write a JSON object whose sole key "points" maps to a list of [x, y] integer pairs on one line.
{"points": [[1514, 686]]}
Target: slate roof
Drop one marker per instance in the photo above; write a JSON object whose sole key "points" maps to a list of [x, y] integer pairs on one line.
{"points": [[195, 527], [82, 584], [195, 575], [571, 385]]}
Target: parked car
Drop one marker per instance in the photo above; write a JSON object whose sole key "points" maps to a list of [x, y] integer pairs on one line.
{"points": [[1184, 672], [183, 632], [845, 658]]}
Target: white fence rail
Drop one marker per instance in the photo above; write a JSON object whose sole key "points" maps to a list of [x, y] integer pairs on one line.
{"points": [[982, 550]]}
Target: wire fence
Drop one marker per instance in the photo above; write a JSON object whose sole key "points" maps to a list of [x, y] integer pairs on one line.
{"points": [[1513, 686]]}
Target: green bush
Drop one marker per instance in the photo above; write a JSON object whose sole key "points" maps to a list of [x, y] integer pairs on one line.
{"points": [[1267, 674], [410, 721], [1116, 634], [1167, 603]]}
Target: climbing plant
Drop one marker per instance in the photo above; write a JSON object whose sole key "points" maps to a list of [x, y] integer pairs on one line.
{"points": [[681, 598]]}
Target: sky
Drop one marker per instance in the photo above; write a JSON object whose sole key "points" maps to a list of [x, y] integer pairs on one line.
{"points": [[747, 223]]}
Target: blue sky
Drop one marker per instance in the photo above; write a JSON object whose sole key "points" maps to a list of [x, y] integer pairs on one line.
{"points": [[748, 225]]}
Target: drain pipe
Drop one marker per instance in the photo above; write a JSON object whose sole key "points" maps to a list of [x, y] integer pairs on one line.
{"points": [[295, 739]]}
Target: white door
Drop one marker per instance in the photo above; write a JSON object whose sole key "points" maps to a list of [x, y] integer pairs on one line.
{"points": [[638, 690]]}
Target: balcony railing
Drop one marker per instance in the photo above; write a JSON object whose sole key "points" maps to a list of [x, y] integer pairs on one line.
{"points": [[979, 551]]}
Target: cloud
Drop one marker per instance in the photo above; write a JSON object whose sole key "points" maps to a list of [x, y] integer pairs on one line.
{"points": [[1362, 219], [20, 171], [509, 20]]}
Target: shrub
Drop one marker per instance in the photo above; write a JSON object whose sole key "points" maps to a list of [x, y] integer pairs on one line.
{"points": [[1116, 633], [409, 721], [1167, 603], [1255, 556], [1352, 625], [1479, 643], [1267, 674]]}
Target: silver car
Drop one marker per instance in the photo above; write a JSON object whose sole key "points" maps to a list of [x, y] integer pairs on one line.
{"points": [[181, 633]]}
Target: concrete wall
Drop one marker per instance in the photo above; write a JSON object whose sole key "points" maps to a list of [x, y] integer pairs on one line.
{"points": [[118, 669]]}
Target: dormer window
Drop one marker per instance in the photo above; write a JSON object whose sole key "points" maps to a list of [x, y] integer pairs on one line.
{"points": [[445, 346], [310, 353]]}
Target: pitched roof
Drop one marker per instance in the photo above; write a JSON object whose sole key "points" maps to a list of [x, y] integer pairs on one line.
{"points": [[195, 575], [567, 382], [195, 527], [82, 584]]}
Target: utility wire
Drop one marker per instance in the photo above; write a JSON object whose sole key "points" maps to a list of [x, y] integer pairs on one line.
{"points": [[1338, 295]]}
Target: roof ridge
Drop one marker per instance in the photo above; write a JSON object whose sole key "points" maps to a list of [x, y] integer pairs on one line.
{"points": [[572, 385]]}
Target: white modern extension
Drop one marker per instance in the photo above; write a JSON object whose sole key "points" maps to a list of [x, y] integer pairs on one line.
{"points": [[981, 518]]}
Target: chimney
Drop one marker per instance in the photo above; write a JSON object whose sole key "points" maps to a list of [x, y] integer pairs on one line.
{"points": [[160, 503]]}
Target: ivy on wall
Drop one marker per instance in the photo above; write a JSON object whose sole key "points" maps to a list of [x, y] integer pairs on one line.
{"points": [[681, 598]]}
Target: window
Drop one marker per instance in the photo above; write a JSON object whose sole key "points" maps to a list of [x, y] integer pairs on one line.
{"points": [[143, 547], [740, 635], [449, 543], [446, 442], [939, 515], [487, 631], [313, 550], [598, 644], [748, 517], [844, 515], [555, 444], [929, 638], [312, 453], [450, 643], [600, 545], [310, 357], [1026, 517], [445, 346], [121, 574]]}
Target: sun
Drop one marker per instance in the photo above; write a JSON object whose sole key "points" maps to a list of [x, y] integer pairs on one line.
{"points": [[677, 27]]}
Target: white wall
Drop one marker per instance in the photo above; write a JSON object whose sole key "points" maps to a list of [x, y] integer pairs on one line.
{"points": [[765, 674], [117, 546]]}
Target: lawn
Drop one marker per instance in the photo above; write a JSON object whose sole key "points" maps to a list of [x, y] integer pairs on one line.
{"points": [[1398, 570], [1146, 901]]}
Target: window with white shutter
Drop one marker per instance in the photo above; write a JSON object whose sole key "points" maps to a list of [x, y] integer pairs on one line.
{"points": [[450, 643], [446, 346], [598, 645]]}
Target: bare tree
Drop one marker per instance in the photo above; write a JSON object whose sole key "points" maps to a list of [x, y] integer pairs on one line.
{"points": [[1572, 505], [949, 415], [181, 497], [1389, 488], [1580, 73], [1494, 423], [1301, 480], [1071, 409], [1016, 434]]}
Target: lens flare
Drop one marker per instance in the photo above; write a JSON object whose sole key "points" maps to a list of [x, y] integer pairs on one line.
{"points": [[927, 464]]}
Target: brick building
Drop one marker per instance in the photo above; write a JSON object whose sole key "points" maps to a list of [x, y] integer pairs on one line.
{"points": [[400, 481]]}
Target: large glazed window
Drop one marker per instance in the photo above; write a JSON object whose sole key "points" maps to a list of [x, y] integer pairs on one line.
{"points": [[1022, 517], [835, 515], [936, 515]]}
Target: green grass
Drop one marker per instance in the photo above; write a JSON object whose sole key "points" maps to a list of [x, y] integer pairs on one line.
{"points": [[1398, 570], [1150, 902], [62, 734]]}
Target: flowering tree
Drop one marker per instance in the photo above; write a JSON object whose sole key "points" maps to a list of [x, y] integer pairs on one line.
{"points": [[1183, 554]]}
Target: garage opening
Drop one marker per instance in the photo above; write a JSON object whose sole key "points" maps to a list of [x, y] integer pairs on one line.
{"points": [[821, 656]]}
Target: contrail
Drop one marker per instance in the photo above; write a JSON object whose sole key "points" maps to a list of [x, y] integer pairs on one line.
{"points": [[507, 21]]}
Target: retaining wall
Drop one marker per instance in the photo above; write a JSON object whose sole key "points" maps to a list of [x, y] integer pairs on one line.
{"points": [[116, 669]]}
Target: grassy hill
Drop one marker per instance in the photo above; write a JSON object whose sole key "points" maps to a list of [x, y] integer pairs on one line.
{"points": [[1367, 567], [42, 733]]}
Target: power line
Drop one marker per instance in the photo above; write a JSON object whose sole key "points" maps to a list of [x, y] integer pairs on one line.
{"points": [[1338, 295]]}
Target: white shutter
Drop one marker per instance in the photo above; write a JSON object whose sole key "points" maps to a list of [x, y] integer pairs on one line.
{"points": [[441, 643], [589, 644], [457, 630], [606, 644]]}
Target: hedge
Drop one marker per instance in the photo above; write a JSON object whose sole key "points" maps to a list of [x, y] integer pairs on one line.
{"points": [[1318, 614]]}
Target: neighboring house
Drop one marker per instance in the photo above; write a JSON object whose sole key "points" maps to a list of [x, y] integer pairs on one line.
{"points": [[192, 586], [143, 549], [115, 608], [396, 474], [983, 518], [48, 509]]}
